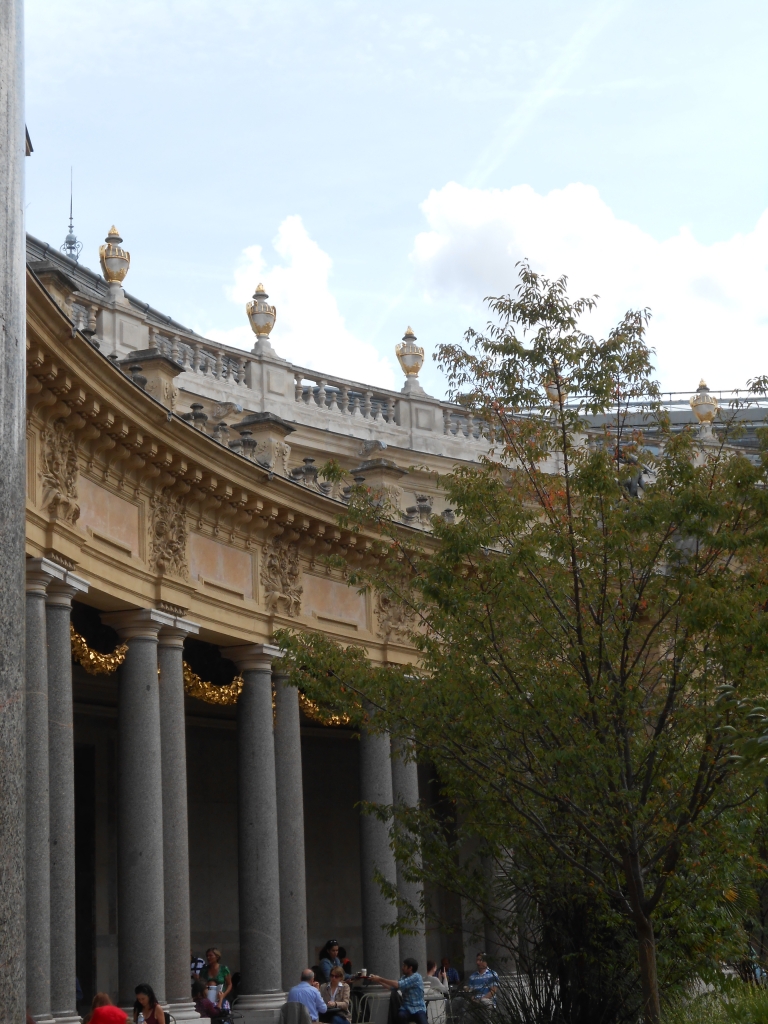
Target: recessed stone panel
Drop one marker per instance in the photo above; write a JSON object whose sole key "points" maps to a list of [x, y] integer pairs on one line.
{"points": [[333, 603], [223, 570], [425, 418], [109, 518]]}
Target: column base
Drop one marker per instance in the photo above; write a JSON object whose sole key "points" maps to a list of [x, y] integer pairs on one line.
{"points": [[42, 1018], [69, 1018], [183, 1010], [261, 1008]]}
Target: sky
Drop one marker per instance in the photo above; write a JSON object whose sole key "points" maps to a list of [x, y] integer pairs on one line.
{"points": [[380, 165]]}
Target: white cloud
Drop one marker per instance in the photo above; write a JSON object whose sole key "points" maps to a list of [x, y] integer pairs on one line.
{"points": [[709, 302], [309, 330]]}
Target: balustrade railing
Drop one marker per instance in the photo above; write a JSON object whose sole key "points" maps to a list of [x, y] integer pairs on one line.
{"points": [[335, 396], [209, 360], [344, 397]]}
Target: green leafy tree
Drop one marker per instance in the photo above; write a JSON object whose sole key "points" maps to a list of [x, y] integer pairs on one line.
{"points": [[590, 634]]}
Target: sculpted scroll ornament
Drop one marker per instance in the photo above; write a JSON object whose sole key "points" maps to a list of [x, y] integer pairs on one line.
{"points": [[395, 620], [280, 577], [59, 473], [168, 537]]}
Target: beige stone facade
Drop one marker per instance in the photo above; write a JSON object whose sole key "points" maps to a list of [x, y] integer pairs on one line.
{"points": [[177, 480]]}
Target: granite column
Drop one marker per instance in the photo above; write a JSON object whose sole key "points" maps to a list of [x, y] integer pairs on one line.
{"points": [[258, 850], [40, 573], [140, 881], [290, 831], [405, 791], [12, 498], [170, 658], [61, 764], [380, 950]]}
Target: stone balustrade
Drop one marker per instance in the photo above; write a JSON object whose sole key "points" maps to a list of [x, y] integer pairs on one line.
{"points": [[223, 381]]}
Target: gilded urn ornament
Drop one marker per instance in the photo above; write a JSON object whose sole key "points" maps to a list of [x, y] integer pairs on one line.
{"points": [[555, 393], [114, 260], [261, 315], [409, 354], [705, 406]]}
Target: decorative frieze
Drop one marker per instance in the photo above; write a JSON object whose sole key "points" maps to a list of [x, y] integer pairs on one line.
{"points": [[168, 536], [281, 578], [59, 472]]}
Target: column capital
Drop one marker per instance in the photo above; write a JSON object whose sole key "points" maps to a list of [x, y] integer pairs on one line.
{"points": [[252, 656], [173, 636], [61, 591], [41, 572], [138, 622]]}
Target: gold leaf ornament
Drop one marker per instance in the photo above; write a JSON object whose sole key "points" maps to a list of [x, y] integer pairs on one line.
{"points": [[194, 686], [316, 713], [95, 663]]}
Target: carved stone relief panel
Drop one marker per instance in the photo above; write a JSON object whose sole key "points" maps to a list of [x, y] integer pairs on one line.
{"points": [[168, 537], [273, 454], [163, 390], [281, 578], [59, 472], [395, 620]]}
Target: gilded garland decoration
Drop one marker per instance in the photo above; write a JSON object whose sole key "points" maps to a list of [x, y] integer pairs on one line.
{"points": [[95, 663], [316, 713], [98, 664], [194, 686]]}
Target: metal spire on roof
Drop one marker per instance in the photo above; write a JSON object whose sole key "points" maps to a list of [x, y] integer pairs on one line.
{"points": [[71, 247]]}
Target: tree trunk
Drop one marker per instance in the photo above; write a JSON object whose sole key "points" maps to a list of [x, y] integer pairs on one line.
{"points": [[646, 941]]}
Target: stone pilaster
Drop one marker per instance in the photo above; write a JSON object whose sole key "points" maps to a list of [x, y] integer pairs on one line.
{"points": [[61, 754], [170, 657], [380, 950], [258, 851], [40, 573], [405, 790], [140, 881], [12, 495], [290, 831]]}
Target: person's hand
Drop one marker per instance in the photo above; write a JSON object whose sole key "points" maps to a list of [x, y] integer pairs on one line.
{"points": [[316, 984]]}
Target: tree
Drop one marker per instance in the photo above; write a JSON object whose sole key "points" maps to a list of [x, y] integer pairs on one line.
{"points": [[591, 630]]}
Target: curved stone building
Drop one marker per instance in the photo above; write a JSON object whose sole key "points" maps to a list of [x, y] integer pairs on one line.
{"points": [[175, 519]]}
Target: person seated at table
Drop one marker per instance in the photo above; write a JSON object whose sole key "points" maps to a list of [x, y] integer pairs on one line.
{"points": [[215, 972], [329, 957], [483, 983], [346, 963], [448, 973], [335, 995], [103, 1012], [411, 987], [203, 1004], [306, 992], [434, 986]]}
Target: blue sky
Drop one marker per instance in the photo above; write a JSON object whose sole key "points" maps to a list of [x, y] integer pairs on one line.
{"points": [[385, 164]]}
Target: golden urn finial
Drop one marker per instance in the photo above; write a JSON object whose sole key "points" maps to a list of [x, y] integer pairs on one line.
{"points": [[115, 261], [704, 404], [409, 354], [261, 315]]}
